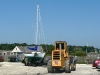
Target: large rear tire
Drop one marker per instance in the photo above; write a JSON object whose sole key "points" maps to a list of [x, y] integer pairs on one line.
{"points": [[68, 66], [73, 66], [49, 67]]}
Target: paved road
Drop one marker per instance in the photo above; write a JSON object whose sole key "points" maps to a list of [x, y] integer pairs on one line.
{"points": [[8, 68]]}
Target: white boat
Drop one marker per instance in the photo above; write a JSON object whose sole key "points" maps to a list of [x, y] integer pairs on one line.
{"points": [[39, 54], [30, 55], [36, 54]]}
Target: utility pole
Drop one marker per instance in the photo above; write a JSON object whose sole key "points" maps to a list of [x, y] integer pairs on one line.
{"points": [[87, 48]]}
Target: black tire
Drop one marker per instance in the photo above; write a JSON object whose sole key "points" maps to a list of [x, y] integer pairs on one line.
{"points": [[68, 66], [35, 65], [40, 64], [29, 64], [24, 63], [73, 66], [57, 70], [49, 67]]}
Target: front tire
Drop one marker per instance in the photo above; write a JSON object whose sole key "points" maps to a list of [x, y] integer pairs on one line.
{"points": [[49, 67]]}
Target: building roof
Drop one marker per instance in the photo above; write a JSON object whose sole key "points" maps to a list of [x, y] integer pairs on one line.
{"points": [[2, 50]]}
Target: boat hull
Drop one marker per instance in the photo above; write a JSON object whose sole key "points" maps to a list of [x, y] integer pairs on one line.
{"points": [[35, 57]]}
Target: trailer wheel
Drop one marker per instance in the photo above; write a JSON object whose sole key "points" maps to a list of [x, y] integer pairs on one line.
{"points": [[49, 67], [35, 65], [25, 64], [40, 64], [68, 66], [73, 66]]}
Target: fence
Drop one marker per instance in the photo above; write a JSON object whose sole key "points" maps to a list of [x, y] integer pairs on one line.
{"points": [[80, 59], [6, 57], [87, 59]]}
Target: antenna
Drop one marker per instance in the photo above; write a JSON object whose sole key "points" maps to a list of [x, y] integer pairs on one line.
{"points": [[87, 46]]}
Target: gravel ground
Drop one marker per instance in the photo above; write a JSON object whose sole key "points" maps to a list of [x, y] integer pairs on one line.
{"points": [[13, 68]]}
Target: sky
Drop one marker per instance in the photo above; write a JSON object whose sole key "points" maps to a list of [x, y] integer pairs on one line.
{"points": [[75, 21]]}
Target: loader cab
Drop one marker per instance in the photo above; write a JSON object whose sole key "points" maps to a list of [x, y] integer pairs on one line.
{"points": [[60, 45]]}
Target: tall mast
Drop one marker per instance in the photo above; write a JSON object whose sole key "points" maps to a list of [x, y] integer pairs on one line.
{"points": [[37, 25]]}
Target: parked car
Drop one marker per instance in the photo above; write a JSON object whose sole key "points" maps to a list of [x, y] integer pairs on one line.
{"points": [[98, 66], [1, 59], [95, 63]]}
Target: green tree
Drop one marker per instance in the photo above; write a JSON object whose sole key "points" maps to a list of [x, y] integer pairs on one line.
{"points": [[78, 53]]}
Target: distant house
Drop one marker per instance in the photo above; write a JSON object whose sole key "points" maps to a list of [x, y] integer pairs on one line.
{"points": [[20, 50], [4, 52], [23, 49]]}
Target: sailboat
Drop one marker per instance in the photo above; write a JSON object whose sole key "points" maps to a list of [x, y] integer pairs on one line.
{"points": [[37, 51]]}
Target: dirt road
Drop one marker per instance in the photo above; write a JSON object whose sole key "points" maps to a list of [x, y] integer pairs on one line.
{"points": [[8, 68]]}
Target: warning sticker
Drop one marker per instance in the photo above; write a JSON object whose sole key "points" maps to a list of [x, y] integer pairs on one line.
{"points": [[56, 62]]}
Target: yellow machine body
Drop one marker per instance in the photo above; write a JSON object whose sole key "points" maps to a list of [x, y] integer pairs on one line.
{"points": [[60, 54]]}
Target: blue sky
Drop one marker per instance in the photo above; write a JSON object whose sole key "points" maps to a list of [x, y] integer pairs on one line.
{"points": [[74, 21]]}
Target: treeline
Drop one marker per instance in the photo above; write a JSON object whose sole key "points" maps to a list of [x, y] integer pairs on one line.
{"points": [[8, 47], [73, 50]]}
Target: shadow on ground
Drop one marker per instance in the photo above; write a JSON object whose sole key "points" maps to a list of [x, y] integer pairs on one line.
{"points": [[98, 70], [94, 68], [1, 65]]}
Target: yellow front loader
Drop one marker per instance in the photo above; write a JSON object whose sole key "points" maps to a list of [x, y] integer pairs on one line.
{"points": [[61, 59]]}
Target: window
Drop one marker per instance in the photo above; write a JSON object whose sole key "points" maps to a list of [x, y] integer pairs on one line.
{"points": [[4, 53], [62, 45], [11, 53], [8, 53], [57, 45]]}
